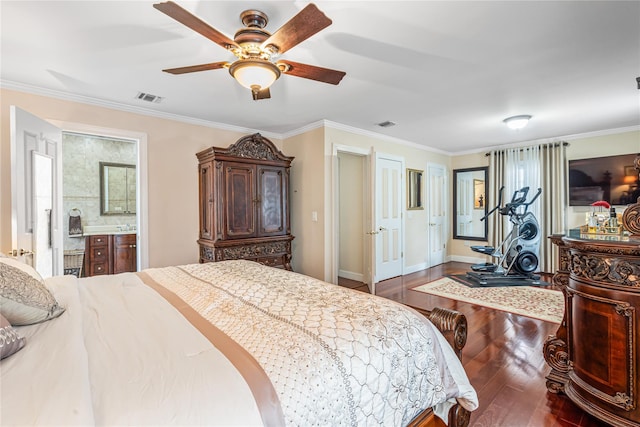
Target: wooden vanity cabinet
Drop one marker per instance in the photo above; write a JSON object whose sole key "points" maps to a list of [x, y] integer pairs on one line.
{"points": [[244, 203], [110, 254], [124, 253], [594, 354], [97, 251]]}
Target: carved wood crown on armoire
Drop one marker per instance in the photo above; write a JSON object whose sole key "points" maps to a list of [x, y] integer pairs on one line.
{"points": [[244, 203]]}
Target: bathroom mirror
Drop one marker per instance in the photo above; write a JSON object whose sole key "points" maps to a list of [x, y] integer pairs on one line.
{"points": [[117, 189], [414, 189], [470, 189]]}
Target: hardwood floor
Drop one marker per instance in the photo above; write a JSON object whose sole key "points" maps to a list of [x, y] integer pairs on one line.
{"points": [[503, 357]]}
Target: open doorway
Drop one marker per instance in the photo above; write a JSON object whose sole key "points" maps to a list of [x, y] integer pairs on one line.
{"points": [[350, 231], [352, 214], [36, 164], [99, 195]]}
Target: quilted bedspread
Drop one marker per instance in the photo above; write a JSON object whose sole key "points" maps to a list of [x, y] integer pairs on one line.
{"points": [[334, 356]]}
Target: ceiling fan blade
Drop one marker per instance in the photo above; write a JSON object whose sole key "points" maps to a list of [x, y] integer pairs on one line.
{"points": [[312, 72], [306, 23], [181, 15], [194, 68], [261, 94]]}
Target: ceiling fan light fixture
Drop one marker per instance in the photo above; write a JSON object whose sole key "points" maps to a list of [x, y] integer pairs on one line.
{"points": [[517, 122], [254, 73]]}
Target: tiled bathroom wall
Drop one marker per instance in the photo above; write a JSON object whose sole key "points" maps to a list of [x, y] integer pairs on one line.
{"points": [[81, 157]]}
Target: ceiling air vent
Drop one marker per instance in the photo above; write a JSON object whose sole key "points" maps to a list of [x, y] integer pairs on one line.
{"points": [[149, 98], [387, 124]]}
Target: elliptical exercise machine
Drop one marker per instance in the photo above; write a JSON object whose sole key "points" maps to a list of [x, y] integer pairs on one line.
{"points": [[517, 254]]}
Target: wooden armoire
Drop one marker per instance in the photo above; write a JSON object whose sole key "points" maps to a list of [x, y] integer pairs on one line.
{"points": [[244, 203]]}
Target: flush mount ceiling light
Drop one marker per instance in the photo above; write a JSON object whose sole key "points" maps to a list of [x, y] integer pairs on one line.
{"points": [[517, 122]]}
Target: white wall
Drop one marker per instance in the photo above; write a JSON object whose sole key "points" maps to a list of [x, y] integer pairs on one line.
{"points": [[599, 146]]}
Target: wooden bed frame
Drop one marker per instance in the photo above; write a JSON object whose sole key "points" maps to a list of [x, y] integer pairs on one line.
{"points": [[453, 326]]}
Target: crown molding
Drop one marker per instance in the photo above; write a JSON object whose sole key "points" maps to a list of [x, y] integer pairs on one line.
{"points": [[370, 134], [304, 129], [66, 96], [565, 138], [36, 90]]}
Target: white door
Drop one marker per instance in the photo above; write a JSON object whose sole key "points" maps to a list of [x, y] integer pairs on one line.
{"points": [[388, 218], [42, 180], [437, 185], [36, 223]]}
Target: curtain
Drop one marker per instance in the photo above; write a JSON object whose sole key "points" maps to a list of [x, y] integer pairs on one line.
{"points": [[553, 218], [542, 166]]}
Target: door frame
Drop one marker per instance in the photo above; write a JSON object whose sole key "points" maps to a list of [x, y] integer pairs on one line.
{"points": [[142, 197], [367, 211]]}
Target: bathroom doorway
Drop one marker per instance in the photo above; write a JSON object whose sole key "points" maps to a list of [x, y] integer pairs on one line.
{"points": [[99, 191], [85, 148]]}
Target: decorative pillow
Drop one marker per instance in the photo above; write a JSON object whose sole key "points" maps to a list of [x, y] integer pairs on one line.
{"points": [[10, 340], [24, 299]]}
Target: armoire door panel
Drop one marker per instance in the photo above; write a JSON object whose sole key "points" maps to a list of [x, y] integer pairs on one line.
{"points": [[271, 201], [241, 200], [206, 197]]}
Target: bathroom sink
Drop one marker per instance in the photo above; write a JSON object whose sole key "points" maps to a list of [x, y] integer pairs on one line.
{"points": [[89, 230]]}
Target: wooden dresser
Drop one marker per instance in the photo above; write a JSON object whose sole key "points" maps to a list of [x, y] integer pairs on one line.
{"points": [[244, 203], [594, 354]]}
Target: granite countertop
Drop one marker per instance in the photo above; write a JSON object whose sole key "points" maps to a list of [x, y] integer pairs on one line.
{"points": [[92, 230]]}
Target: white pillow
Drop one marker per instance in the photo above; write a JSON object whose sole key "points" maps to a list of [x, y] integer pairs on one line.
{"points": [[10, 339], [24, 299]]}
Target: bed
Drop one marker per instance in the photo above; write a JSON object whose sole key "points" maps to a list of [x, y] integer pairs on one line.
{"points": [[231, 343]]}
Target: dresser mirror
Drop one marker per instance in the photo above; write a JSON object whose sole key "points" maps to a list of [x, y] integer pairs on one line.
{"points": [[117, 189], [414, 189], [470, 189]]}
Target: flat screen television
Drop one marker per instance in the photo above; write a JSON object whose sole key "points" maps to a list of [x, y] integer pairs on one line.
{"points": [[612, 178]]}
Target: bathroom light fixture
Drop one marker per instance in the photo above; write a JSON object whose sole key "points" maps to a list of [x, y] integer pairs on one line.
{"points": [[517, 122], [254, 74]]}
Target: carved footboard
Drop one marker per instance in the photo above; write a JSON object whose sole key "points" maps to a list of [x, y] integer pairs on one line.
{"points": [[453, 326]]}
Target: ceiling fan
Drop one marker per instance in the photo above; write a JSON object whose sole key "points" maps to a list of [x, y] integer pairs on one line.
{"points": [[257, 49]]}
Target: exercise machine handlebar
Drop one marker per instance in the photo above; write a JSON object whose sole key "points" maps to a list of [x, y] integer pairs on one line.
{"points": [[518, 199]]}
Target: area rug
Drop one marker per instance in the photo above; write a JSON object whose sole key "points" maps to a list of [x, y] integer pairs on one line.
{"points": [[538, 303]]}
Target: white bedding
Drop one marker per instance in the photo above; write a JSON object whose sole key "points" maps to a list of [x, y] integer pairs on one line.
{"points": [[121, 354], [153, 369], [47, 382]]}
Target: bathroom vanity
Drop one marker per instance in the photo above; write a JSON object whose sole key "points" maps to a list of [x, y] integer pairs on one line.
{"points": [[110, 253]]}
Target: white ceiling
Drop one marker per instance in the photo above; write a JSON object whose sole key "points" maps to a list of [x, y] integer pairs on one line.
{"points": [[447, 72]]}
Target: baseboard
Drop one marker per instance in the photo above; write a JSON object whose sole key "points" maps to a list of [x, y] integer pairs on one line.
{"points": [[413, 268], [468, 259], [351, 275]]}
